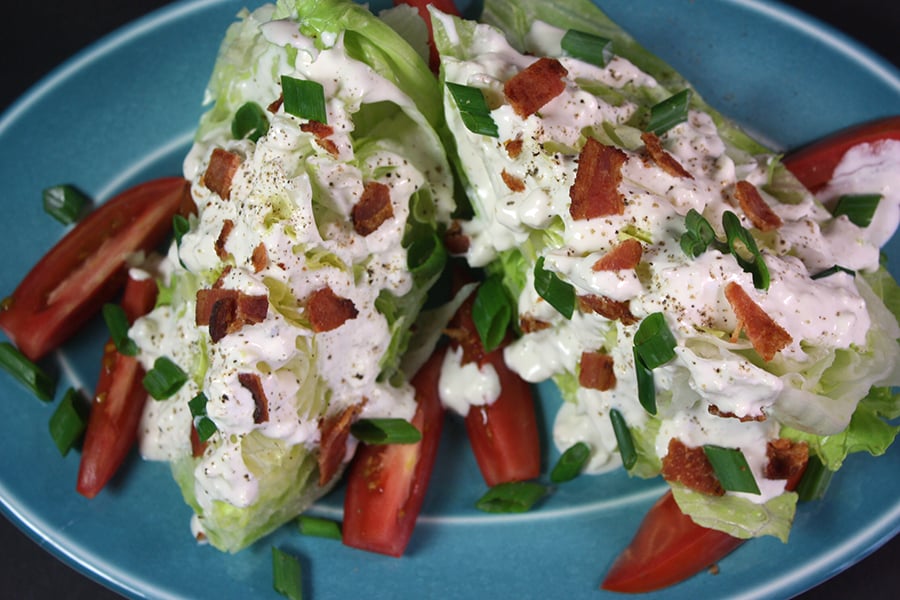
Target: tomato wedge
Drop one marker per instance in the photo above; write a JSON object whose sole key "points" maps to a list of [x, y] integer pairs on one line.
{"points": [[118, 401], [446, 6], [814, 163], [387, 483], [87, 267]]}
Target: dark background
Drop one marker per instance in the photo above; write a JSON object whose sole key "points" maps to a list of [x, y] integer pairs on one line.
{"points": [[38, 36]]}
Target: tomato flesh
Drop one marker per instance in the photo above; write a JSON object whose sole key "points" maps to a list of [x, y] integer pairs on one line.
{"points": [[386, 484], [86, 268], [445, 6]]}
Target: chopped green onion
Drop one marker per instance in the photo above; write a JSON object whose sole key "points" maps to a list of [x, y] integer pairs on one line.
{"points": [[68, 421], [26, 372], [815, 480], [654, 341], [834, 270], [197, 405], [492, 311], [385, 431], [548, 285], [570, 463], [670, 112], [287, 575], [180, 226], [117, 323], [164, 379], [623, 438], [249, 122], [206, 427], [745, 251], [304, 99], [65, 203], [318, 527], [473, 109], [698, 236], [587, 47], [645, 384], [731, 469], [515, 497], [859, 208]]}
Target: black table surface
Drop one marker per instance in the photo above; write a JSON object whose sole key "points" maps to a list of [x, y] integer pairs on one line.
{"points": [[38, 36]]}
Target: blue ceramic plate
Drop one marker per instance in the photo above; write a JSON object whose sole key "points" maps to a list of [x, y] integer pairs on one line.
{"points": [[123, 112]]}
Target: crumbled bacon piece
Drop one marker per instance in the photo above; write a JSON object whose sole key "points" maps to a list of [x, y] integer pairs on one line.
{"points": [[513, 147], [766, 336], [227, 227], [334, 431], [690, 467], [663, 159], [322, 133], [220, 172], [535, 86], [223, 317], [373, 209], [756, 209], [626, 255], [455, 240], [614, 310], [595, 192], [597, 371], [512, 182], [717, 412], [787, 459], [328, 311], [227, 311], [253, 383], [260, 258], [530, 324], [220, 281], [276, 104]]}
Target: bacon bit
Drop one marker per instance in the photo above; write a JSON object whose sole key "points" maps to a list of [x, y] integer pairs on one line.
{"points": [[597, 371], [512, 182], [626, 255], [227, 227], [787, 458], [535, 86], [766, 336], [220, 172], [690, 467], [756, 209], [276, 104], [334, 431], [223, 317], [717, 412], [373, 209], [663, 159], [455, 240], [595, 192], [197, 447], [253, 383], [260, 258], [514, 147], [328, 311], [322, 133], [614, 310], [227, 311], [220, 282], [530, 324]]}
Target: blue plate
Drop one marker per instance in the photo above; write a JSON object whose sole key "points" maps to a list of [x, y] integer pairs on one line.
{"points": [[124, 111]]}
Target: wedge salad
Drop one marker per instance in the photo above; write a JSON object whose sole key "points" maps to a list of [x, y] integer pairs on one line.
{"points": [[711, 312]]}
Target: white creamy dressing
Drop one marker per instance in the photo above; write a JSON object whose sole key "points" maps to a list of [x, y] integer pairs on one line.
{"points": [[285, 182], [709, 369], [462, 386]]}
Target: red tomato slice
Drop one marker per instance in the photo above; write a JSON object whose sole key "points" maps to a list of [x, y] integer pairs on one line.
{"points": [[814, 164], [87, 268], [446, 6], [118, 401], [386, 484]]}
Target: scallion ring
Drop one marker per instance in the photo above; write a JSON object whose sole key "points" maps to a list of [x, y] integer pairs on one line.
{"points": [[731, 468], [385, 431]]}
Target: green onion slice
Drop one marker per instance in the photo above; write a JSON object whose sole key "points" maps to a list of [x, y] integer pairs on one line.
{"points": [[833, 270], [670, 112], [645, 384], [731, 469], [26, 372], [698, 235], [249, 122], [515, 497], [548, 285], [197, 405], [180, 226], [587, 47], [319, 527], [492, 312], [473, 109], [815, 480], [164, 379], [654, 341], [623, 438], [206, 427], [745, 251], [117, 323], [859, 208], [385, 431], [287, 575], [68, 421], [304, 99], [570, 463], [65, 203]]}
